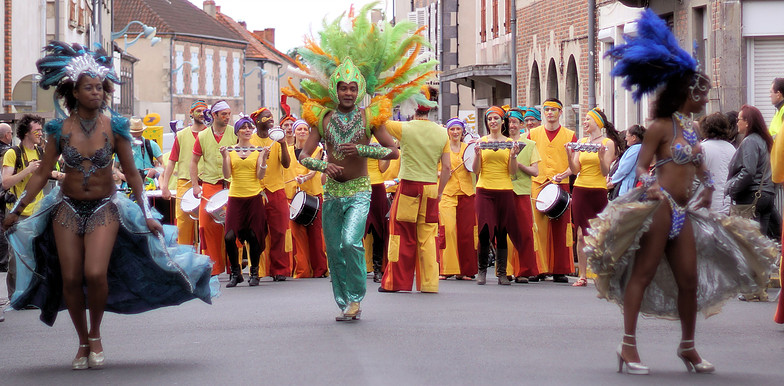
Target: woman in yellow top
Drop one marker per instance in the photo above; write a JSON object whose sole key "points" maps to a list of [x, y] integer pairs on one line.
{"points": [[245, 219], [457, 212], [310, 259], [494, 194], [589, 196]]}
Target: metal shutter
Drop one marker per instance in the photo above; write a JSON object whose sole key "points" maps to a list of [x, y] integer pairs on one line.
{"points": [[766, 61]]}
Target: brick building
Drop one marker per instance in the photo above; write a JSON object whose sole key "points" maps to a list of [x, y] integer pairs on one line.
{"points": [[197, 58]]}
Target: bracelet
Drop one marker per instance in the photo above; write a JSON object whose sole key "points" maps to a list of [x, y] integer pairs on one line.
{"points": [[146, 206], [19, 207], [708, 180], [375, 152], [314, 164], [263, 166]]}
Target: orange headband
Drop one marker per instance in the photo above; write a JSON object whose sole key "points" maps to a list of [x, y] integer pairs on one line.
{"points": [[257, 113], [553, 104], [495, 109]]}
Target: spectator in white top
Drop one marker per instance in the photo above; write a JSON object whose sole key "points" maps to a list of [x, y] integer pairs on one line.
{"points": [[718, 152]]}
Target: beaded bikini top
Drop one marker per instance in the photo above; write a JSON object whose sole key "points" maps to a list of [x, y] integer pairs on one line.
{"points": [[102, 157], [682, 154]]}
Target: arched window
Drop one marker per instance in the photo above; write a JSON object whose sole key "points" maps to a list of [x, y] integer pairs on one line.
{"points": [[552, 80], [572, 97], [534, 92]]}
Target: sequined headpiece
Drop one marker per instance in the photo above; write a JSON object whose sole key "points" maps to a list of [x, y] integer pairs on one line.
{"points": [[346, 72], [64, 62]]}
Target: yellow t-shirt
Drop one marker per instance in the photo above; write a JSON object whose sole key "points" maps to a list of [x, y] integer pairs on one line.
{"points": [[423, 143], [528, 156], [9, 160], [392, 172], [273, 178], [590, 175], [461, 183], [289, 174], [244, 182], [374, 172], [312, 186], [495, 168]]}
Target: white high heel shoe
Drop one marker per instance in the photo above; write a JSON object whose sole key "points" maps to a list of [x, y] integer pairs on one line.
{"points": [[704, 367], [96, 359], [633, 368], [80, 363]]}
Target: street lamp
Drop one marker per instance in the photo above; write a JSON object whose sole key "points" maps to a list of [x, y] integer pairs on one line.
{"points": [[194, 67], [147, 32]]}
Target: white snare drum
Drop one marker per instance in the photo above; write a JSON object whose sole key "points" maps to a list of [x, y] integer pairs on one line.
{"points": [[553, 201], [470, 136], [468, 157], [303, 208], [190, 204], [216, 206]]}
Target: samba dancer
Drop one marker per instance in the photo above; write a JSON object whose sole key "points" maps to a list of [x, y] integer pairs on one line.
{"points": [[494, 168], [523, 264], [333, 79], [554, 236], [310, 259], [180, 161], [85, 232], [207, 179], [245, 220], [628, 240], [456, 210], [589, 196], [276, 206], [413, 218]]}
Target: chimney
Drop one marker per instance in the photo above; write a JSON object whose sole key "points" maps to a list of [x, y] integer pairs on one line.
{"points": [[209, 7], [268, 35], [244, 24]]}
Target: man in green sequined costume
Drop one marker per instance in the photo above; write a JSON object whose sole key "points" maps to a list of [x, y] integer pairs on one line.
{"points": [[347, 132]]}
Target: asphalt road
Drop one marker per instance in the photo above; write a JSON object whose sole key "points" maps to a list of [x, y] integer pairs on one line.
{"points": [[285, 333]]}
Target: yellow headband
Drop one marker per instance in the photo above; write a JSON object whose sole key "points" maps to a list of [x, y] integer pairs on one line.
{"points": [[594, 114], [254, 115], [553, 104]]}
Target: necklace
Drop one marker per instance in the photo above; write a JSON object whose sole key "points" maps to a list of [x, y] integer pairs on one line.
{"points": [[88, 125]]}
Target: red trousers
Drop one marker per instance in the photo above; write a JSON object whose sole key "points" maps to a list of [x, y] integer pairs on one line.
{"points": [[210, 232], [277, 211], [521, 233], [310, 258]]}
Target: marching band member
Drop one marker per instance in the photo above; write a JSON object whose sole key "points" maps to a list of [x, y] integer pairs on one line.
{"points": [[377, 227], [245, 220], [494, 190], [276, 207], [207, 179], [457, 211], [180, 161], [554, 236], [310, 258], [523, 264], [589, 196], [413, 219]]}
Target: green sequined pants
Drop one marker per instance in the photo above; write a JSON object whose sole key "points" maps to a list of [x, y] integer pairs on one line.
{"points": [[343, 221]]}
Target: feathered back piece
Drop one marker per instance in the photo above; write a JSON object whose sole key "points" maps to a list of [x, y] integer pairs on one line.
{"points": [[651, 58], [65, 62], [379, 51]]}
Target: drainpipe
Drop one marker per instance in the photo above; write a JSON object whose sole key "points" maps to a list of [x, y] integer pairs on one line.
{"points": [[591, 54], [513, 62], [7, 38]]}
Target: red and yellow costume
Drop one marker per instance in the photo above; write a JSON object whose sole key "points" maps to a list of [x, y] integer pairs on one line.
{"points": [[553, 238], [310, 258], [523, 262], [457, 215], [413, 218], [181, 154]]}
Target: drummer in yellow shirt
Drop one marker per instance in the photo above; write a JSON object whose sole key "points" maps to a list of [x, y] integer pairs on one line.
{"points": [[245, 220], [276, 207], [377, 226], [310, 259]]}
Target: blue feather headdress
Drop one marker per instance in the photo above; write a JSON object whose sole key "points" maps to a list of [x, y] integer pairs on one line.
{"points": [[64, 62], [651, 58]]}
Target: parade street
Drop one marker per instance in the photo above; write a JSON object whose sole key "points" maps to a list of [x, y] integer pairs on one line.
{"points": [[285, 333]]}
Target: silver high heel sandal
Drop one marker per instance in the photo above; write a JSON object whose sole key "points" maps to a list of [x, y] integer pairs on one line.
{"points": [[704, 367], [633, 368], [80, 363], [96, 359]]}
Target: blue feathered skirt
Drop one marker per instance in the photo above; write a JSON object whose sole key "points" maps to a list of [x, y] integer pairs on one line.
{"points": [[145, 272], [732, 256]]}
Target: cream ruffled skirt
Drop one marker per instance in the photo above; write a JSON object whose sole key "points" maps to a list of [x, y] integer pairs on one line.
{"points": [[732, 256]]}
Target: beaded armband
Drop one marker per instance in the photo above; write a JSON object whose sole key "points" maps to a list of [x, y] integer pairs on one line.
{"points": [[314, 164], [375, 152], [707, 180], [19, 207]]}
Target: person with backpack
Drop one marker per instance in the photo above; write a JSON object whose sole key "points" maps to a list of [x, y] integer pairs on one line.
{"points": [[147, 155]]}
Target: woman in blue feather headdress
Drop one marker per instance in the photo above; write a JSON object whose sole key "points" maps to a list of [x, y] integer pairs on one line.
{"points": [[651, 251], [84, 238]]}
